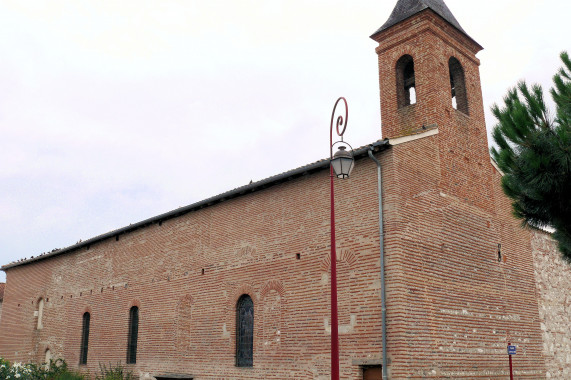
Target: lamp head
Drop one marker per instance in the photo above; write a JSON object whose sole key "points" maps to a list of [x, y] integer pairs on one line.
{"points": [[342, 162]]}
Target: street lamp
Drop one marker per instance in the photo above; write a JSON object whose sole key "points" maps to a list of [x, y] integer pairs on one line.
{"points": [[341, 165]]}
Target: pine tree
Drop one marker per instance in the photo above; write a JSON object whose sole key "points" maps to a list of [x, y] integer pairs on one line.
{"points": [[534, 152]]}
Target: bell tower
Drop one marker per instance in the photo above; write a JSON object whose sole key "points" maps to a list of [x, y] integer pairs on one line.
{"points": [[450, 308], [429, 80]]}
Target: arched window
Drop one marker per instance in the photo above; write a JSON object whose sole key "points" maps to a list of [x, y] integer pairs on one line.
{"points": [[39, 325], [406, 84], [133, 334], [245, 332], [458, 85], [84, 338], [48, 359]]}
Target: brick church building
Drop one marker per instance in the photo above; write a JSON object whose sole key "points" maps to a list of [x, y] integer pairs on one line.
{"points": [[237, 286]]}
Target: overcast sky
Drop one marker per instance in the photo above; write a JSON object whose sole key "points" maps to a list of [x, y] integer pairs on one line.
{"points": [[112, 112]]}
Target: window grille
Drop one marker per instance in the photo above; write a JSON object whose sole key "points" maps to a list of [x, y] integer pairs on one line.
{"points": [[84, 339], [133, 334], [245, 332]]}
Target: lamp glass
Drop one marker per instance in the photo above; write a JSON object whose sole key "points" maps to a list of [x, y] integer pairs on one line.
{"points": [[342, 163]]}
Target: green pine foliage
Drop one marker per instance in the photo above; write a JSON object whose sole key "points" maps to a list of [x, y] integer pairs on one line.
{"points": [[534, 152]]}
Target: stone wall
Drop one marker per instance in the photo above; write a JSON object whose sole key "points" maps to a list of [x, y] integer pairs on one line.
{"points": [[553, 277]]}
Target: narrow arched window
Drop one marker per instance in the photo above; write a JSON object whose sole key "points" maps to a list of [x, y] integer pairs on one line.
{"points": [[245, 332], [458, 85], [84, 338], [133, 334], [40, 325], [48, 359], [406, 83]]}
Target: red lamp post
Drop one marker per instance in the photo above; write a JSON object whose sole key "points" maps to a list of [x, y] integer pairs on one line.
{"points": [[341, 166]]}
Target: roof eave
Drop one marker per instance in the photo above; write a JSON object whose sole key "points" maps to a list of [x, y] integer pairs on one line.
{"points": [[361, 152]]}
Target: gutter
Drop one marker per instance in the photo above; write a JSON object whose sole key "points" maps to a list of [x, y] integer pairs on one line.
{"points": [[382, 250], [358, 153]]}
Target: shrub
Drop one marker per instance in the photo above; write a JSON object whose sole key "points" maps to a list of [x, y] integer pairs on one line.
{"points": [[117, 372], [55, 370], [17, 371], [58, 370]]}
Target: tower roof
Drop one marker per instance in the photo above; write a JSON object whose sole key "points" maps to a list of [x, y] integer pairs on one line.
{"points": [[408, 8]]}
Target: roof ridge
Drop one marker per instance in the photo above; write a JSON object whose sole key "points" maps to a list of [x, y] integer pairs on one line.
{"points": [[405, 9], [241, 190]]}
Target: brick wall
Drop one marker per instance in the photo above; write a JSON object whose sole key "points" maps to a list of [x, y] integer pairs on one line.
{"points": [[2, 287], [187, 274], [452, 306], [463, 142]]}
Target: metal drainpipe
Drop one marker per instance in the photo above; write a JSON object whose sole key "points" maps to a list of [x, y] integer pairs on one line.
{"points": [[382, 248]]}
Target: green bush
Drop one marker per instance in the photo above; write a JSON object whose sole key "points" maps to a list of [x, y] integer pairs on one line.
{"points": [[56, 370], [117, 372]]}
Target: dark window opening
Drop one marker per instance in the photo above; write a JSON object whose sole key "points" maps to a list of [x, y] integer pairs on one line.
{"points": [[84, 338], [406, 82], [373, 373], [245, 332], [458, 85], [133, 334]]}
